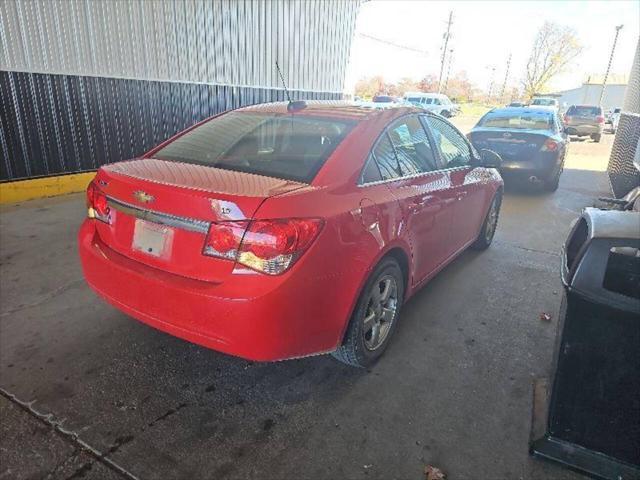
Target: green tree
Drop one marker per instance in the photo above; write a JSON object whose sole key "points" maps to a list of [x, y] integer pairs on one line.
{"points": [[554, 48]]}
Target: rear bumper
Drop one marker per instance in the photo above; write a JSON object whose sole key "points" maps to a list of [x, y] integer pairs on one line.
{"points": [[251, 315], [543, 168], [584, 129]]}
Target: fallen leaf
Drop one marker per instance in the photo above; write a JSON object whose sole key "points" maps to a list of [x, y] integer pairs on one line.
{"points": [[545, 317], [434, 473]]}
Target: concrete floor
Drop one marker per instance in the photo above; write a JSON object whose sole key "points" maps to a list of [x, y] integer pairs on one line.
{"points": [[454, 388]]}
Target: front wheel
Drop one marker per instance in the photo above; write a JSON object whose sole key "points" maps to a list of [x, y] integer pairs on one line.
{"points": [[596, 138], [490, 224], [375, 317]]}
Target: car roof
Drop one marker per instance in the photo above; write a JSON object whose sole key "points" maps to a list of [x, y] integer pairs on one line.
{"points": [[331, 109]]}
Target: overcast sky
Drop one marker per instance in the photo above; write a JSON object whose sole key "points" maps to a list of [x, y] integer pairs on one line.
{"points": [[483, 35]]}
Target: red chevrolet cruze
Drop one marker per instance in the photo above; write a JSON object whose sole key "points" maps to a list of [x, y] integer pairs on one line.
{"points": [[284, 230]]}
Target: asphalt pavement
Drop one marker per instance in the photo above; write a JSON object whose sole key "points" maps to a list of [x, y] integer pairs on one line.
{"points": [[87, 392]]}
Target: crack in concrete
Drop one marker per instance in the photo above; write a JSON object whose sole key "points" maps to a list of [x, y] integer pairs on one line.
{"points": [[43, 299], [168, 413], [49, 420], [519, 247]]}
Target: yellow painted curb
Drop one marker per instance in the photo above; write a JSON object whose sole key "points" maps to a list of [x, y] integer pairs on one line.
{"points": [[21, 190]]}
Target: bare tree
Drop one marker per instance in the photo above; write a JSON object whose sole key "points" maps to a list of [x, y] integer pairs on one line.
{"points": [[554, 48]]}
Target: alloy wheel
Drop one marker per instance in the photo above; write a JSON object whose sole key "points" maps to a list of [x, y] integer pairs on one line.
{"points": [[492, 221], [381, 312]]}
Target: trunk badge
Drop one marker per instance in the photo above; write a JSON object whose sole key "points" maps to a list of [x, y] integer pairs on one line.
{"points": [[226, 210], [143, 197], [506, 135]]}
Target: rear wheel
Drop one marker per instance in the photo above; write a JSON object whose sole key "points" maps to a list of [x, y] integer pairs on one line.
{"points": [[553, 183], [596, 137], [490, 224], [375, 317]]}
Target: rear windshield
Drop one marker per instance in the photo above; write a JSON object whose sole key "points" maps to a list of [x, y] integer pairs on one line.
{"points": [[282, 146], [518, 121], [584, 111], [544, 102]]}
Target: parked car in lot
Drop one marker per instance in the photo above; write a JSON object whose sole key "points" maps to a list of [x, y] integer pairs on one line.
{"points": [[614, 119], [433, 102], [584, 120], [530, 140], [279, 231], [381, 102], [545, 102]]}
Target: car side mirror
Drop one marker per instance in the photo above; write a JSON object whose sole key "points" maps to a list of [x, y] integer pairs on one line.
{"points": [[490, 159]]}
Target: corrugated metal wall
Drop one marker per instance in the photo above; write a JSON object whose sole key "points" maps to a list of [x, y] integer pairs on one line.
{"points": [[86, 82], [625, 152]]}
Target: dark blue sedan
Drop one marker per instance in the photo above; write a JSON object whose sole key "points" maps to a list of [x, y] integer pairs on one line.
{"points": [[530, 140]]}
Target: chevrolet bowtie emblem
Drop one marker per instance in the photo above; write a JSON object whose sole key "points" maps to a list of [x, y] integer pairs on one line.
{"points": [[143, 197]]}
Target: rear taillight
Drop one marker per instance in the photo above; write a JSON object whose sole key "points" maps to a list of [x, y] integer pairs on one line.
{"points": [[97, 205], [600, 119], [550, 146], [268, 246], [567, 119]]}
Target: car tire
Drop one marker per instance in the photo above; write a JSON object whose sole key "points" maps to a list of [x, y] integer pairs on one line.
{"points": [[552, 184], [490, 224], [596, 138], [360, 348]]}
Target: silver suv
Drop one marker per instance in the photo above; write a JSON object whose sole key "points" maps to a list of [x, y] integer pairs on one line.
{"points": [[584, 120]]}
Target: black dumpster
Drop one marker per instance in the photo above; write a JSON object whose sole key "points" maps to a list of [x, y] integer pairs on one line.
{"points": [[593, 422]]}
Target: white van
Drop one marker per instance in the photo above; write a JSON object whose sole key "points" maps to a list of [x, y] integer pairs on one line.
{"points": [[434, 102]]}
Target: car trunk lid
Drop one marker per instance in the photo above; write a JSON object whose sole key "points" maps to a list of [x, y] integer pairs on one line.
{"points": [[160, 211], [510, 144]]}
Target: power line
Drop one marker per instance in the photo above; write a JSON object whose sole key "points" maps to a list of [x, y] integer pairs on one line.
{"points": [[393, 44]]}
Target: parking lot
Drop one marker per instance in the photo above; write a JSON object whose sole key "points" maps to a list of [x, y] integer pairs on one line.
{"points": [[453, 390]]}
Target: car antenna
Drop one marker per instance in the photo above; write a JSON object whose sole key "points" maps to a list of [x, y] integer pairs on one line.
{"points": [[292, 106]]}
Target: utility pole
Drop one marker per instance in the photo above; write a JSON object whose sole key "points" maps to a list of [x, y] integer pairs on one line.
{"points": [[490, 91], [446, 78], [447, 35], [606, 75], [506, 77]]}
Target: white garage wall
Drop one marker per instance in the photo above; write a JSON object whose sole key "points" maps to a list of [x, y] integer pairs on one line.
{"points": [[233, 43]]}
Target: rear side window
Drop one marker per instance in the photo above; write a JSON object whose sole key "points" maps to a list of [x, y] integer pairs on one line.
{"points": [[386, 159], [412, 147], [584, 111], [370, 172], [275, 145], [454, 150]]}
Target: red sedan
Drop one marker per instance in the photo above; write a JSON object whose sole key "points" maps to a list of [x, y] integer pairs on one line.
{"points": [[284, 230]]}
